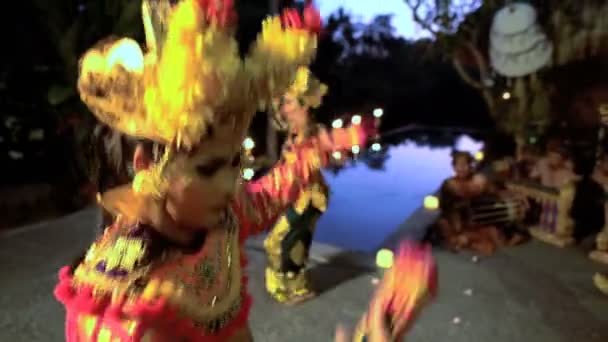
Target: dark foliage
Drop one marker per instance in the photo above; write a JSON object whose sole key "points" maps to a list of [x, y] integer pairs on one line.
{"points": [[366, 65]]}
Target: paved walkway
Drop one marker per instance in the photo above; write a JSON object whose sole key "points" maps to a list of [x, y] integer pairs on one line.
{"points": [[530, 293]]}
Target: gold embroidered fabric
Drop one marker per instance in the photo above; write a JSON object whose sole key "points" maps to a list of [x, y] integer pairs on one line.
{"points": [[205, 286]]}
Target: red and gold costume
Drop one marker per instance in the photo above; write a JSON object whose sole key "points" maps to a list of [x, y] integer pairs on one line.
{"points": [[409, 284], [288, 243], [135, 283]]}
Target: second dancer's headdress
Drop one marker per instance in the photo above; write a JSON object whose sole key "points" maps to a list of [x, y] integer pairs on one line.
{"points": [[307, 89]]}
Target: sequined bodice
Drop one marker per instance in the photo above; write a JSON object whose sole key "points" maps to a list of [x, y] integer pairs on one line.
{"points": [[293, 141], [135, 261]]}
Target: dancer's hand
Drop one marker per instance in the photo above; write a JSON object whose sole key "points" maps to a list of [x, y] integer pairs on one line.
{"points": [[374, 323], [407, 286], [402, 293]]}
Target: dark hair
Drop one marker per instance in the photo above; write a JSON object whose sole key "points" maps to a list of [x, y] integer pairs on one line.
{"points": [[152, 149]]}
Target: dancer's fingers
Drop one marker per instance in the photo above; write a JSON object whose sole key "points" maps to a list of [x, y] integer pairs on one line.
{"points": [[378, 330], [342, 334]]}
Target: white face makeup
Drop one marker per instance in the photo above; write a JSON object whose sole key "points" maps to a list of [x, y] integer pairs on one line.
{"points": [[203, 184]]}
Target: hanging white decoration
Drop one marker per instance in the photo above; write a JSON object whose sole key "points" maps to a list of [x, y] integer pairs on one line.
{"points": [[518, 46]]}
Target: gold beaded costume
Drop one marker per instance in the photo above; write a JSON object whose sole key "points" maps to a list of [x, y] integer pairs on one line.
{"points": [[287, 246], [135, 283]]}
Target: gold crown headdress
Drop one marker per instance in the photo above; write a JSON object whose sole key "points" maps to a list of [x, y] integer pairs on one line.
{"points": [[306, 88], [191, 76]]}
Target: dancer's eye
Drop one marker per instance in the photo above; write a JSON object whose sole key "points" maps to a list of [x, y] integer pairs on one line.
{"points": [[208, 169]]}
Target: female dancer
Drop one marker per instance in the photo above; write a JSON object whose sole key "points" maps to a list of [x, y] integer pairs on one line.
{"points": [[287, 246], [171, 267]]}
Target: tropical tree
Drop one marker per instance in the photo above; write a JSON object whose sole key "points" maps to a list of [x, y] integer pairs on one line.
{"points": [[461, 28], [354, 59], [71, 27], [74, 25]]}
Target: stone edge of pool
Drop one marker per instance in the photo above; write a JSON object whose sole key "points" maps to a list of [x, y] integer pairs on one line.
{"points": [[413, 227]]}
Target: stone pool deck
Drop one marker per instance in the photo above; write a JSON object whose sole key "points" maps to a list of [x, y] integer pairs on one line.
{"points": [[530, 293]]}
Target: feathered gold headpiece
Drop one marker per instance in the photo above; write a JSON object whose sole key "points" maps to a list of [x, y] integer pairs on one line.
{"points": [[307, 88], [191, 75]]}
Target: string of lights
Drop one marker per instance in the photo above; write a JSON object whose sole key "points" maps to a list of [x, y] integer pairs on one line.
{"points": [[248, 171]]}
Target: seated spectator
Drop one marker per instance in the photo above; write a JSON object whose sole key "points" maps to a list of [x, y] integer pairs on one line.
{"points": [[526, 161], [473, 214], [554, 170]]}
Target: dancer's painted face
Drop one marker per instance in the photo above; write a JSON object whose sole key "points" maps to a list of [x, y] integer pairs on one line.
{"points": [[202, 184], [294, 112]]}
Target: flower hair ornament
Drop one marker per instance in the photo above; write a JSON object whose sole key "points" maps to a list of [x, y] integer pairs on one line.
{"points": [[190, 77]]}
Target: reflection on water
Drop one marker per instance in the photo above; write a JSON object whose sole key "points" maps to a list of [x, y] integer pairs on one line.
{"points": [[368, 202]]}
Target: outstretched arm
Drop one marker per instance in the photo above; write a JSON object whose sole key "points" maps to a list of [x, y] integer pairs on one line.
{"points": [[404, 290], [261, 202]]}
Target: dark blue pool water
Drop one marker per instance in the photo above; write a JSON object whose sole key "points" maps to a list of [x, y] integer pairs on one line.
{"points": [[368, 205]]}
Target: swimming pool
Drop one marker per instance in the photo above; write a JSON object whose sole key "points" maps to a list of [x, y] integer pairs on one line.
{"points": [[367, 205]]}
